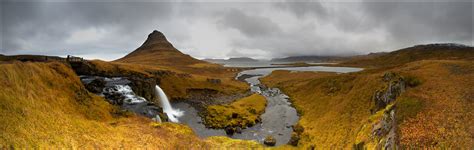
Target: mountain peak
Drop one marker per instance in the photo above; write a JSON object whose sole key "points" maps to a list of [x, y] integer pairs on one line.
{"points": [[156, 37], [157, 50]]}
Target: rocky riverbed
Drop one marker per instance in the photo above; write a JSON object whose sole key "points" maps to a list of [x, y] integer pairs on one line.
{"points": [[277, 123]]}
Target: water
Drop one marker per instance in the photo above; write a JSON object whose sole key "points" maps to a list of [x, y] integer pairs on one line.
{"points": [[118, 92], [127, 93], [258, 64], [278, 118], [173, 114]]}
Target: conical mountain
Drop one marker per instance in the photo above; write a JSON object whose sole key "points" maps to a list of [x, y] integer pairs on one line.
{"points": [[157, 50]]}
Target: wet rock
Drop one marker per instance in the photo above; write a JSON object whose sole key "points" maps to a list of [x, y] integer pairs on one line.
{"points": [[96, 85], [114, 98], [245, 76], [144, 87], [270, 141], [295, 138], [164, 117], [238, 130], [229, 130]]}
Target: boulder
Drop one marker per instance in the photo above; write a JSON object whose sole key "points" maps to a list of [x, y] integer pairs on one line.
{"points": [[238, 130], [96, 85], [229, 130], [270, 141]]}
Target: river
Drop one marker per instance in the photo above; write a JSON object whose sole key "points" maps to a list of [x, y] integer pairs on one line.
{"points": [[279, 115]]}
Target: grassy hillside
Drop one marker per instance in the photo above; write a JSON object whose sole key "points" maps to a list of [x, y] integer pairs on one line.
{"points": [[241, 113], [415, 53], [336, 108], [174, 82], [45, 105]]}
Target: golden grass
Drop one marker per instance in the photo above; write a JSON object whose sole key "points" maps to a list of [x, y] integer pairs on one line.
{"points": [[411, 54], [174, 84], [336, 108], [44, 105], [247, 111]]}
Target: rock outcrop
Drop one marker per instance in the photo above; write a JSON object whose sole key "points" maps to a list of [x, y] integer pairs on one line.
{"points": [[385, 130], [387, 95], [96, 85], [144, 87]]}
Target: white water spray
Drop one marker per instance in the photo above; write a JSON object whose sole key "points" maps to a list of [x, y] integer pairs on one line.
{"points": [[165, 103]]}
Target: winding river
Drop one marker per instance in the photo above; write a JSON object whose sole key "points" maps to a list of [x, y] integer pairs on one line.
{"points": [[279, 115]]}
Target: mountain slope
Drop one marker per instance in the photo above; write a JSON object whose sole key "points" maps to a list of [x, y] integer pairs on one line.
{"points": [[447, 51], [308, 59], [158, 51]]}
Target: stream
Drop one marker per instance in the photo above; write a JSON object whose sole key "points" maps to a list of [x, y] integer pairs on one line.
{"points": [[279, 115]]}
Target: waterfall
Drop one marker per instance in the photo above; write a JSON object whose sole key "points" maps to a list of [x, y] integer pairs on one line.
{"points": [[165, 103]]}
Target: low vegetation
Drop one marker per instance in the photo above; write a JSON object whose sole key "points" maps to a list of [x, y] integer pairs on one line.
{"points": [[411, 54], [176, 83], [242, 113], [434, 111], [45, 105]]}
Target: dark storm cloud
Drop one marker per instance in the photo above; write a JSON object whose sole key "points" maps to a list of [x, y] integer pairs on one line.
{"points": [[252, 26], [45, 27], [427, 21], [107, 29]]}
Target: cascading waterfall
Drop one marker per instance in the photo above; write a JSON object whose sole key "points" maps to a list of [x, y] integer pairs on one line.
{"points": [[165, 103]]}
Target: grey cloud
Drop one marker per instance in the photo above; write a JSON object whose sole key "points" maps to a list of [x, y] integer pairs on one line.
{"points": [[108, 30], [423, 21], [46, 26], [304, 9], [252, 26]]}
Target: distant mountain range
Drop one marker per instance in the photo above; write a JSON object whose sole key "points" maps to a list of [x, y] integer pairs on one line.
{"points": [[308, 59], [236, 59]]}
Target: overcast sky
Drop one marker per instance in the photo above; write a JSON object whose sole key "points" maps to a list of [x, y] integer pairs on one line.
{"points": [[109, 30]]}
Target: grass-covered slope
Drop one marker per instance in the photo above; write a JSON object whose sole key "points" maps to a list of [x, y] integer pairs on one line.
{"points": [[241, 113], [434, 111], [415, 53], [176, 84], [45, 105]]}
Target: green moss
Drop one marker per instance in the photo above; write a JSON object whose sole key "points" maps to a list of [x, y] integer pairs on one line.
{"points": [[408, 107], [222, 141], [241, 113], [412, 81]]}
